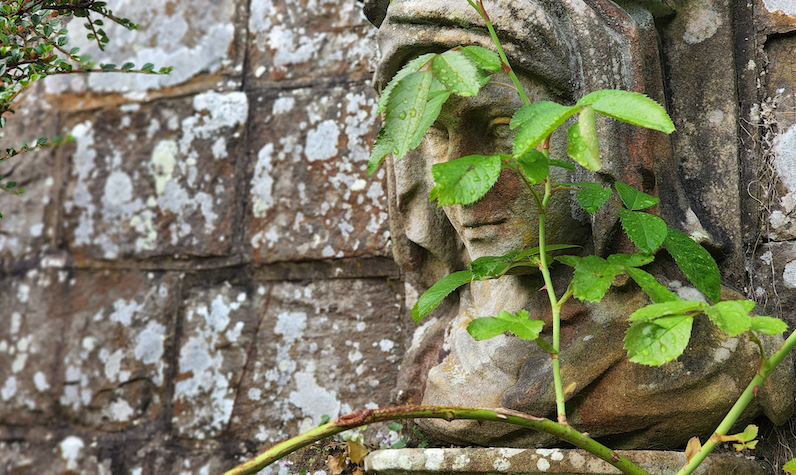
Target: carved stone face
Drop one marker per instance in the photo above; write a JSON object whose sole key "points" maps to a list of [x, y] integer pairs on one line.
{"points": [[507, 217]]}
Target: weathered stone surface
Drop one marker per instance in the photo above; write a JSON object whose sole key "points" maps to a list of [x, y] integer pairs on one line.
{"points": [[472, 461], [32, 324], [323, 348], [114, 362], [309, 40], [156, 179], [195, 38], [310, 196], [218, 326], [29, 220]]}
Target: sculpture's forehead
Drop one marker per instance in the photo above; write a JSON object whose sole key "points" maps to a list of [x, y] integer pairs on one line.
{"points": [[536, 34]]}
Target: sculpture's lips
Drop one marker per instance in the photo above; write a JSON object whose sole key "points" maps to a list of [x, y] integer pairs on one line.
{"points": [[481, 223]]}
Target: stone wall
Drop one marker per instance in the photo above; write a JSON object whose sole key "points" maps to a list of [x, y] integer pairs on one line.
{"points": [[206, 270]]}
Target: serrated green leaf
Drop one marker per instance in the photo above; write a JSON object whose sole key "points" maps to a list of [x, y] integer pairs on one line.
{"points": [[593, 97], [667, 308], [432, 297], [536, 121], [561, 164], [656, 343], [635, 109], [464, 180], [570, 261], [582, 141], [491, 266], [593, 277], [405, 112], [631, 260], [534, 165], [484, 58], [458, 72], [409, 68], [634, 199], [437, 96], [549, 248], [732, 316], [696, 263], [381, 148], [657, 292], [647, 231], [488, 327], [592, 196], [768, 325]]}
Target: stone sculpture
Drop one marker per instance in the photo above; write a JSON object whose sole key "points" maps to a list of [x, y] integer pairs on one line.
{"points": [[562, 49]]}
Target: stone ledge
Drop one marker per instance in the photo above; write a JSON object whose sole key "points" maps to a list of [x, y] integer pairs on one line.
{"points": [[477, 461]]}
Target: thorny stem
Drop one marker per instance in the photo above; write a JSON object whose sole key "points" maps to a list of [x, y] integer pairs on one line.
{"points": [[749, 393], [504, 60], [368, 416]]}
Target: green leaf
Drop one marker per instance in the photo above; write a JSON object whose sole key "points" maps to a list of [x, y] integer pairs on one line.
{"points": [[487, 327], [768, 325], [549, 248], [790, 467], [570, 261], [409, 68], [437, 96], [432, 297], [108, 67], [592, 196], [41, 141], [395, 426], [657, 292], [491, 266], [582, 141], [484, 58], [593, 277], [593, 97], [458, 72], [634, 199], [381, 148], [536, 121], [658, 342], [148, 67], [647, 231], [635, 109], [560, 164], [732, 316], [667, 308], [464, 180], [406, 110], [534, 165], [630, 260], [128, 66], [696, 263]]}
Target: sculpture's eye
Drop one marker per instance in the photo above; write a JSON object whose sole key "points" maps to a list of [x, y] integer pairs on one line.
{"points": [[502, 136], [436, 143]]}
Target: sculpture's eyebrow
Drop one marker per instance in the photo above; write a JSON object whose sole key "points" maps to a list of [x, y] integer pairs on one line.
{"points": [[534, 38]]}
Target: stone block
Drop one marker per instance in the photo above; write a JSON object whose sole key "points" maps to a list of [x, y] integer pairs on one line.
{"points": [[218, 326], [773, 279], [310, 194], [116, 342], [323, 348], [30, 340], [29, 220], [309, 40], [60, 455], [156, 179], [196, 38]]}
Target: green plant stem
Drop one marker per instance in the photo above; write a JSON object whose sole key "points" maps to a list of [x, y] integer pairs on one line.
{"points": [[749, 393], [506, 66], [368, 416]]}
